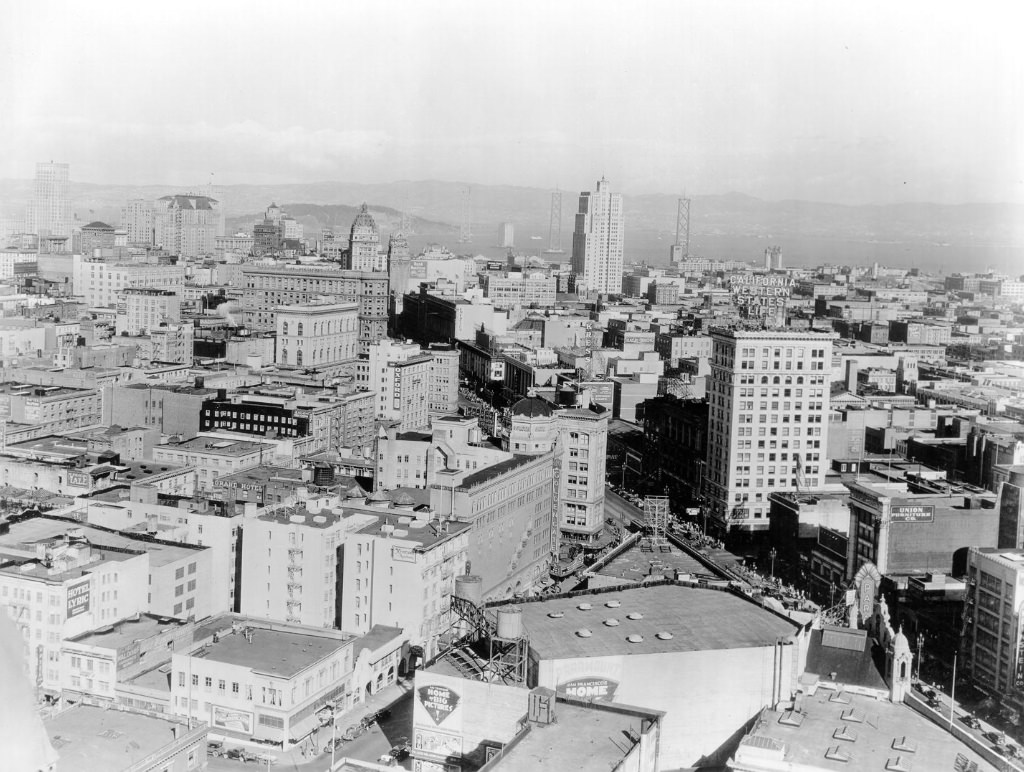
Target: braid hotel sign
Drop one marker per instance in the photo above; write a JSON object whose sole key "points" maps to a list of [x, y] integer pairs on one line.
{"points": [[761, 295]]}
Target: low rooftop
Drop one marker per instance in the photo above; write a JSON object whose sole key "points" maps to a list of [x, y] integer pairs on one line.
{"points": [[870, 734], [273, 652], [90, 738], [216, 446], [126, 631], [580, 739]]}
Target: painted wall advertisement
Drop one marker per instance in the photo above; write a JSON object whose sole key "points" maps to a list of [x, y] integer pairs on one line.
{"points": [[439, 702], [598, 689], [234, 720], [78, 598], [436, 746], [911, 514]]}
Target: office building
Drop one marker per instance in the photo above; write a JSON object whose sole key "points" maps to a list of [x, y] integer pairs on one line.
{"points": [[141, 309], [399, 375], [265, 288], [101, 283], [248, 679], [317, 336], [364, 253], [443, 397], [187, 225], [992, 624], [597, 241], [767, 421], [399, 268], [137, 218], [578, 438], [49, 211], [506, 235]]}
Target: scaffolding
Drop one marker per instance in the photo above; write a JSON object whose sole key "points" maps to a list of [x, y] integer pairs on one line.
{"points": [[656, 517]]}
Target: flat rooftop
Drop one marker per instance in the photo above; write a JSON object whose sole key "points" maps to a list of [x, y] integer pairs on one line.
{"points": [[216, 446], [91, 738], [273, 652], [584, 739], [15, 388], [24, 535], [687, 618], [260, 475], [126, 631], [425, 534], [883, 729]]}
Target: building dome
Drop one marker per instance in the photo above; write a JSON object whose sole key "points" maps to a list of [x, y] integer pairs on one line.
{"points": [[900, 644], [532, 407]]}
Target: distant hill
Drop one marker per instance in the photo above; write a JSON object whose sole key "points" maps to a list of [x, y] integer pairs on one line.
{"points": [[338, 218]]}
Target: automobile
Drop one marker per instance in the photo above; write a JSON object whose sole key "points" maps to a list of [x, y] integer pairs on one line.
{"points": [[400, 752], [376, 716], [972, 722], [337, 742], [215, 748], [241, 754]]}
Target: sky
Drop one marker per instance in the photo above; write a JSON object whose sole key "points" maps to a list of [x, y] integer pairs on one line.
{"points": [[845, 102]]}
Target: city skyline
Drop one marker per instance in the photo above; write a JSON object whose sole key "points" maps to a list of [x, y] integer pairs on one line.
{"points": [[804, 102]]}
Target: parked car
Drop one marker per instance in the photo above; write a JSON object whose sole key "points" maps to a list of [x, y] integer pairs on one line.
{"points": [[400, 752], [337, 742], [376, 716], [241, 754], [215, 748]]}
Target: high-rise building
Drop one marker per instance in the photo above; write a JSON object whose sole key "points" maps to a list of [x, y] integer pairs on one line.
{"points": [[995, 592], [49, 212], [364, 244], [399, 374], [399, 268], [188, 225], [137, 221], [579, 438], [506, 235], [597, 240], [767, 421]]}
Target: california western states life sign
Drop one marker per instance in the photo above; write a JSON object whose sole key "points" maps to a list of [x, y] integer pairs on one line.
{"points": [[761, 294], [904, 513]]}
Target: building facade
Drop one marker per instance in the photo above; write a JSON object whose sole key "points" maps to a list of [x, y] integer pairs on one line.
{"points": [[317, 335], [768, 403]]}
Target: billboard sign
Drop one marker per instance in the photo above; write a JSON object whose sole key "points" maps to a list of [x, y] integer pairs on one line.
{"points": [[233, 720], [439, 702], [590, 688], [437, 746], [759, 295], [78, 598], [912, 514]]}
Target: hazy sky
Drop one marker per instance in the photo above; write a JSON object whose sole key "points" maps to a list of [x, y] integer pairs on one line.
{"points": [[854, 102]]}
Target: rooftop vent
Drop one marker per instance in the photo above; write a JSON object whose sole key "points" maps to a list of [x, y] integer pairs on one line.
{"points": [[844, 733], [664, 635], [904, 744], [898, 764], [611, 622], [613, 604], [556, 614], [584, 607], [836, 753], [583, 633], [635, 638], [634, 615]]}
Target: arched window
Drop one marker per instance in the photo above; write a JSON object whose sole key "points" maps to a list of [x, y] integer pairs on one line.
{"points": [[776, 380], [764, 380], [300, 328], [284, 328], [799, 380], [298, 357], [903, 669]]}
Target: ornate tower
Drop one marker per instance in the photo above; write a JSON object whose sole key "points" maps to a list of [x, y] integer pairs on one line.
{"points": [[899, 666]]}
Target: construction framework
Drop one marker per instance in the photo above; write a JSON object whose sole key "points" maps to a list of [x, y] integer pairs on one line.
{"points": [[656, 517], [683, 227]]}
